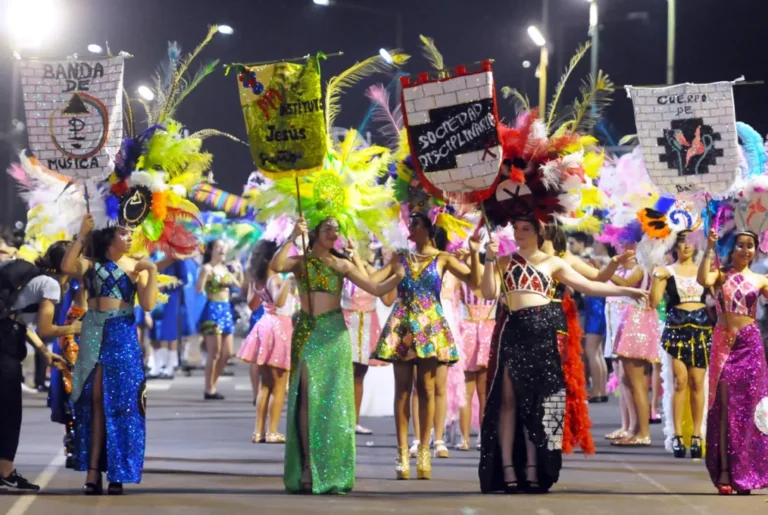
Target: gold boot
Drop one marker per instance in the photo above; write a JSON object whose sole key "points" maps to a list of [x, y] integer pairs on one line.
{"points": [[424, 463], [403, 463]]}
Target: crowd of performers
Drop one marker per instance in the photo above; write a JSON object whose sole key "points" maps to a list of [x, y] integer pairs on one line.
{"points": [[482, 310]]}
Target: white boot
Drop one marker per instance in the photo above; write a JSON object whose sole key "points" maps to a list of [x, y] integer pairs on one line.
{"points": [[171, 363], [154, 363]]}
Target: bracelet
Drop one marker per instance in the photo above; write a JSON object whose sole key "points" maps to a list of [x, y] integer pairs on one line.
{"points": [[490, 260]]}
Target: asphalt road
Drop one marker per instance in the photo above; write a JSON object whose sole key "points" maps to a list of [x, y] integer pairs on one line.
{"points": [[200, 459]]}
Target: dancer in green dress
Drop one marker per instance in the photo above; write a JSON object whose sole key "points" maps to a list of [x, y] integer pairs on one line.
{"points": [[320, 443]]}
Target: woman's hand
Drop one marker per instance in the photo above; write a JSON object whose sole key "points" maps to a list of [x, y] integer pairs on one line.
{"points": [[712, 239], [636, 294], [397, 269], [86, 226], [461, 255], [55, 360], [299, 229], [625, 257], [75, 327], [474, 243], [145, 264], [491, 250]]}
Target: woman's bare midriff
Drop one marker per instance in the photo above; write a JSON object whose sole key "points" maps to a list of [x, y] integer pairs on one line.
{"points": [[107, 304], [691, 306], [322, 303], [733, 322], [517, 300], [221, 296]]}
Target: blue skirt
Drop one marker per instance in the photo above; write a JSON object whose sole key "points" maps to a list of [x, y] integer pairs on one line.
{"points": [[217, 318], [124, 389], [255, 317], [594, 315], [165, 318]]}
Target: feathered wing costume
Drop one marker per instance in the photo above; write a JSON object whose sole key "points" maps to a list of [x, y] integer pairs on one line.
{"points": [[552, 172]]}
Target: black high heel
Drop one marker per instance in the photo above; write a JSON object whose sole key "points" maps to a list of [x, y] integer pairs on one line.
{"points": [[696, 451], [534, 487], [94, 488], [678, 447], [115, 489], [512, 487]]}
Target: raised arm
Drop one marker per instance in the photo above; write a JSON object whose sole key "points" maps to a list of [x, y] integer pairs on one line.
{"points": [[658, 285], [281, 263], [377, 289], [706, 277], [279, 289], [592, 273], [489, 284], [202, 277], [72, 264], [563, 272], [254, 299], [633, 278], [147, 282]]}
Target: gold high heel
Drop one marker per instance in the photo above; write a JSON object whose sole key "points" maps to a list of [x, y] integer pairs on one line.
{"points": [[257, 438], [424, 463], [403, 463]]}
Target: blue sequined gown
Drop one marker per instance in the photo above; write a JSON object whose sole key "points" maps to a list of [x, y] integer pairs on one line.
{"points": [[109, 339]]}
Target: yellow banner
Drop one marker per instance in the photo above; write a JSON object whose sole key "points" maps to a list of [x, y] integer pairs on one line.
{"points": [[283, 109]]}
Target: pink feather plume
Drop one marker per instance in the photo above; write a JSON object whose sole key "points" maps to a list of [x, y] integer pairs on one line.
{"points": [[392, 119]]}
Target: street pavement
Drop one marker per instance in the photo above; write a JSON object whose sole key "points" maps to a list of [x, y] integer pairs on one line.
{"points": [[200, 460]]}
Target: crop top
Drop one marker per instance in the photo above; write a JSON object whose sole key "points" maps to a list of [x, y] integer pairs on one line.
{"points": [[322, 278], [523, 276], [107, 279], [682, 289], [269, 303], [216, 283], [737, 295]]}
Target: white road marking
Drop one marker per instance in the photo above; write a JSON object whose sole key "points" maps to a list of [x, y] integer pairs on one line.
{"points": [[243, 388], [664, 489], [160, 387], [25, 501]]}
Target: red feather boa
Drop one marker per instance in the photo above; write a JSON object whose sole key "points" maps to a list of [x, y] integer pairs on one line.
{"points": [[577, 422]]}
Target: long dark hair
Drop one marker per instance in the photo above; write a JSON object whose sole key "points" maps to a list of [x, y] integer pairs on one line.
{"points": [[554, 233], [313, 238], [437, 235], [51, 261], [262, 254], [101, 240], [208, 253]]}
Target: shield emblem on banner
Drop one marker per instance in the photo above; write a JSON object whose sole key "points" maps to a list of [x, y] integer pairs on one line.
{"points": [[688, 135], [452, 128]]}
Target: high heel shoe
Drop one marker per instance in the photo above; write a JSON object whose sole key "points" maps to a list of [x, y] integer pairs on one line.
{"points": [[275, 438], [424, 463], [513, 487], [742, 492], [724, 490], [696, 452], [678, 447], [305, 487], [441, 451], [403, 463], [94, 488], [115, 489]]}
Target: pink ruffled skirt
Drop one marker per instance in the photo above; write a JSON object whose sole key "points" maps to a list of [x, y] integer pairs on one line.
{"points": [[476, 343], [638, 336], [269, 342]]}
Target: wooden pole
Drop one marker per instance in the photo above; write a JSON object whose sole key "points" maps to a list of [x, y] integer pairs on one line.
{"points": [[303, 246]]}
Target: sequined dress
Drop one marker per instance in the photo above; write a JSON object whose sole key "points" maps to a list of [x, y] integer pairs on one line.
{"points": [[269, 342], [528, 353], [417, 327], [739, 372], [109, 339], [321, 349]]}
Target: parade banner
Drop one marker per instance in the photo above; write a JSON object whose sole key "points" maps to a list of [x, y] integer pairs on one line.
{"points": [[74, 111], [283, 109], [452, 129], [688, 136]]}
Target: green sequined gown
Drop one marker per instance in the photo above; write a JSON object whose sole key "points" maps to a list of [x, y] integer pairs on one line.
{"points": [[321, 347]]}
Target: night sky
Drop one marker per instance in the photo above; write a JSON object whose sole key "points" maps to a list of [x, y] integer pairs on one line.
{"points": [[715, 40]]}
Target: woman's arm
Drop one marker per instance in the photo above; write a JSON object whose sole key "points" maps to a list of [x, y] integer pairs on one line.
{"points": [[389, 298], [280, 289], [281, 263], [633, 278], [589, 271], [202, 278], [568, 276], [147, 284], [45, 327], [658, 285], [367, 284], [52, 359], [489, 285], [254, 299], [72, 264], [705, 276]]}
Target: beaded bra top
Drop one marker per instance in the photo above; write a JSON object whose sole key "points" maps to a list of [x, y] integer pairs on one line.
{"points": [[217, 283], [107, 279], [738, 295], [523, 276], [322, 278]]}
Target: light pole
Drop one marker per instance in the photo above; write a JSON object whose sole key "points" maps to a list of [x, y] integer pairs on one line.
{"points": [[379, 12], [539, 40], [671, 22], [594, 32]]}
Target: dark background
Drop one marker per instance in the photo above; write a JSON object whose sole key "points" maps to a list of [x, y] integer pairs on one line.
{"points": [[716, 40]]}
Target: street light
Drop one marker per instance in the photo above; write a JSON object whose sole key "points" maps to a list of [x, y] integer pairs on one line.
{"points": [[321, 2], [541, 42], [526, 64], [225, 29], [145, 93], [29, 22], [95, 49]]}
